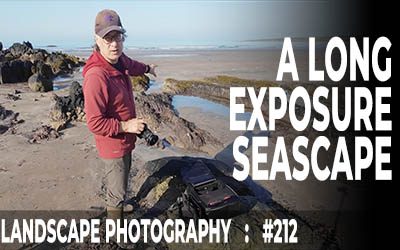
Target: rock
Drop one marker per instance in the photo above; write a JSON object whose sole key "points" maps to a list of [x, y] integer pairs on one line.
{"points": [[7, 119], [13, 97], [44, 132], [15, 71], [68, 108], [18, 49], [140, 83], [58, 125], [57, 63], [62, 63], [39, 55], [20, 61], [157, 192], [159, 113], [58, 116], [43, 69], [1, 46], [169, 139], [4, 113], [8, 56], [76, 95], [38, 83], [158, 185]]}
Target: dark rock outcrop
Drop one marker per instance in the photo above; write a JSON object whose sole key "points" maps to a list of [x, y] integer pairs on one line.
{"points": [[157, 109], [39, 83], [62, 63], [20, 61], [44, 132], [1, 46], [43, 69], [18, 49], [8, 119], [159, 112], [15, 71], [42, 79], [68, 108]]}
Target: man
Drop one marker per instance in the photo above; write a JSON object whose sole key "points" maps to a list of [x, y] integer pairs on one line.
{"points": [[110, 107]]}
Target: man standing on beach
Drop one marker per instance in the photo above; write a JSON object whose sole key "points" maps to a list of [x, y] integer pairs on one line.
{"points": [[110, 107]]}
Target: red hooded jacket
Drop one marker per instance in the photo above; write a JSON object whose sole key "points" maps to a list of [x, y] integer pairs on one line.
{"points": [[109, 100]]}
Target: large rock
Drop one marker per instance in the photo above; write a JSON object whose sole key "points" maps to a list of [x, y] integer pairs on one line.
{"points": [[37, 55], [15, 71], [43, 69], [39, 83], [68, 108], [7, 119], [160, 114], [17, 61], [62, 63], [18, 49]]}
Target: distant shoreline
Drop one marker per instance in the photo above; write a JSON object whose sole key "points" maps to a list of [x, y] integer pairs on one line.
{"points": [[253, 44]]}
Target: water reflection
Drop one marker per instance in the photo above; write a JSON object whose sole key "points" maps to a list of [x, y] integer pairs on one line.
{"points": [[180, 101]]}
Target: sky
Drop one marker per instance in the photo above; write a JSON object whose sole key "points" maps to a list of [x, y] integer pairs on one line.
{"points": [[165, 22]]}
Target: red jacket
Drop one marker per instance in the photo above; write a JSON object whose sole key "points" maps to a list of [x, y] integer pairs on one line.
{"points": [[108, 100]]}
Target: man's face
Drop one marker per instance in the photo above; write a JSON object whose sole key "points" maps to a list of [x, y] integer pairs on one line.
{"points": [[111, 46]]}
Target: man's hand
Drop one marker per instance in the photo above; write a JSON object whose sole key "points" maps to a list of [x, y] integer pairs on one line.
{"points": [[153, 69], [135, 125]]}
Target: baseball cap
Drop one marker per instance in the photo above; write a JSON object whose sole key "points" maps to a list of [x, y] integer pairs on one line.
{"points": [[107, 21]]}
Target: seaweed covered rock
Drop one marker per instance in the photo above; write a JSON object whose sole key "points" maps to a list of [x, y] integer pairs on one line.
{"points": [[68, 108], [62, 63], [140, 83], [159, 113]]}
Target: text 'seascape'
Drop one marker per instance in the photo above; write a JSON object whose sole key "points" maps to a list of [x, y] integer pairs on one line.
{"points": [[363, 108]]}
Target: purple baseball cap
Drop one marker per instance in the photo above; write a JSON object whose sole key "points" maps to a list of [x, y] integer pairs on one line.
{"points": [[107, 21]]}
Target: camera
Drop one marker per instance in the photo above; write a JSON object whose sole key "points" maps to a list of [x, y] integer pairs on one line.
{"points": [[148, 136]]}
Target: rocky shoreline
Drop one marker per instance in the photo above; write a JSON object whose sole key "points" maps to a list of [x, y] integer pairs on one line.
{"points": [[23, 63], [43, 135]]}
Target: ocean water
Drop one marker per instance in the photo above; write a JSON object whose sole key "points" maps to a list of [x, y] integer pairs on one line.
{"points": [[181, 46]]}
